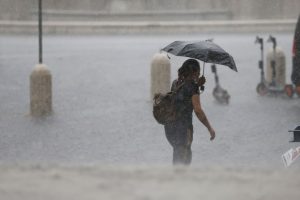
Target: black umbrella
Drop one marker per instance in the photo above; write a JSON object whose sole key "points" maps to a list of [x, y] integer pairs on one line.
{"points": [[206, 51]]}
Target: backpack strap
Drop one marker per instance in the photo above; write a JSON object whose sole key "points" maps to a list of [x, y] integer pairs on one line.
{"points": [[178, 87]]}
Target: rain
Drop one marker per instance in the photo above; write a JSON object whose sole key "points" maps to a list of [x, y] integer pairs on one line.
{"points": [[101, 125]]}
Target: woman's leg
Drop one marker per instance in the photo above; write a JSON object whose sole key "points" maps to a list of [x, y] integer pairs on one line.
{"points": [[188, 149], [182, 152]]}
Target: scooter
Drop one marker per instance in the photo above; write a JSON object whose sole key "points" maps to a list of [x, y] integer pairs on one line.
{"points": [[274, 88], [261, 88], [291, 90], [220, 94]]}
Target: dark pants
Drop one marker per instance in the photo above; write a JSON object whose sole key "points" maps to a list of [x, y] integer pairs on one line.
{"points": [[180, 136]]}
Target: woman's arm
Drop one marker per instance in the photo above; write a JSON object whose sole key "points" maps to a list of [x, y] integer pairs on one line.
{"points": [[201, 115]]}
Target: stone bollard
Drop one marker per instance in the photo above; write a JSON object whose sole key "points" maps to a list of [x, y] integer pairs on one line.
{"points": [[279, 67], [40, 91], [160, 74]]}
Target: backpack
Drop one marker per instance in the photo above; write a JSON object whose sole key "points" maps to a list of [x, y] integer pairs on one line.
{"points": [[164, 109]]}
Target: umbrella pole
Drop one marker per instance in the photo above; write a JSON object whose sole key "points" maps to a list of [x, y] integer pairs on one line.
{"points": [[202, 86]]}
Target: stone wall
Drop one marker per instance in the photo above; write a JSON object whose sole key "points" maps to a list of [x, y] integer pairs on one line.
{"points": [[239, 9]]}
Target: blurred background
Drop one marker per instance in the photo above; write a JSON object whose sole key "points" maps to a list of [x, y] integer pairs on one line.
{"points": [[100, 52], [97, 16]]}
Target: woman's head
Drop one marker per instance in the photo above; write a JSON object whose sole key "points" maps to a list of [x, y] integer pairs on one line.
{"points": [[190, 69]]}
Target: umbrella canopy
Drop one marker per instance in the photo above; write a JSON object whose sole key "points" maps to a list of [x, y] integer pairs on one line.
{"points": [[206, 51]]}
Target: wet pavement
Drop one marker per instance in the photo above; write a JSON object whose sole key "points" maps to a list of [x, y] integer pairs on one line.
{"points": [[102, 108]]}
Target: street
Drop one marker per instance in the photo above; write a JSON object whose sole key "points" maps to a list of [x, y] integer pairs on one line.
{"points": [[103, 112]]}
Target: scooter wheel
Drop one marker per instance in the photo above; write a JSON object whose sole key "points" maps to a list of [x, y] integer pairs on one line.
{"points": [[298, 90], [289, 90], [261, 89]]}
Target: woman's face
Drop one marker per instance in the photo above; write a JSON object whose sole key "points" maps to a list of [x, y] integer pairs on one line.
{"points": [[196, 74]]}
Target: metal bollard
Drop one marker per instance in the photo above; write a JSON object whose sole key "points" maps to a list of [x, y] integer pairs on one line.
{"points": [[160, 74], [40, 91], [279, 74]]}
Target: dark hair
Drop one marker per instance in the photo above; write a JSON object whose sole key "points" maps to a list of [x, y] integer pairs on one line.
{"points": [[188, 68]]}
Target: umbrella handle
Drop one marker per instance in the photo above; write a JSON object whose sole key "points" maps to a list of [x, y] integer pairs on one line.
{"points": [[202, 87]]}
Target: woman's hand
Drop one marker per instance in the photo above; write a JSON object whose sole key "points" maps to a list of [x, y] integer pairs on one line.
{"points": [[212, 134], [201, 81]]}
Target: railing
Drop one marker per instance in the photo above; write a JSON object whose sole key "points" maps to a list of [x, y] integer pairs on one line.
{"points": [[78, 15]]}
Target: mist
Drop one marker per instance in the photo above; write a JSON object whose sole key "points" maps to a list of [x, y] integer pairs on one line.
{"points": [[101, 134]]}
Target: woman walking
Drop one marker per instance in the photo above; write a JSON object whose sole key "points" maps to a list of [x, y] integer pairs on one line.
{"points": [[179, 133]]}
